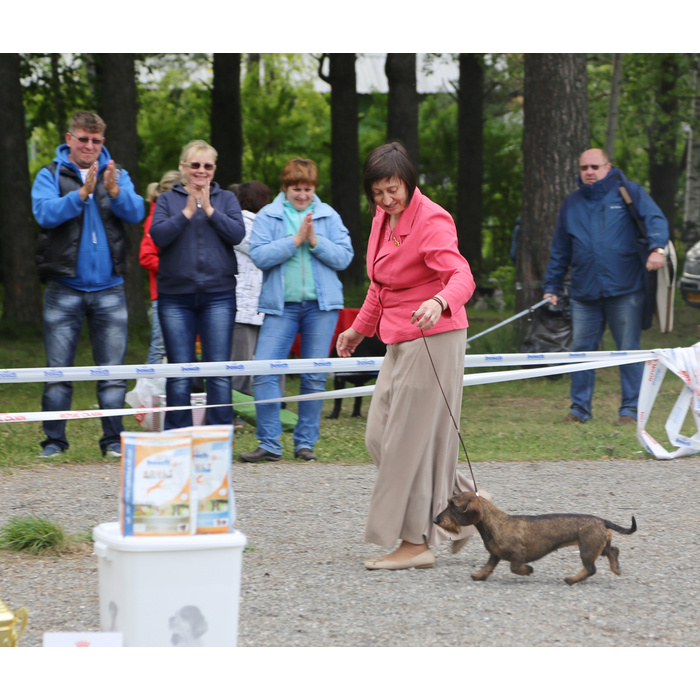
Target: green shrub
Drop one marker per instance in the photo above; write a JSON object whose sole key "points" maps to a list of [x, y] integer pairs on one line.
{"points": [[32, 534]]}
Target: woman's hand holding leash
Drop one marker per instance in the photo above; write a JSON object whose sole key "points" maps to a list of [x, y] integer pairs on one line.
{"points": [[429, 313]]}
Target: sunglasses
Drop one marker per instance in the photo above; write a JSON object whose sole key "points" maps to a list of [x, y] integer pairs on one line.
{"points": [[197, 166], [592, 167], [86, 139]]}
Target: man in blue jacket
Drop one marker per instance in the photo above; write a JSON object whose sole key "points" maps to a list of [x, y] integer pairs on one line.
{"points": [[81, 201], [596, 238]]}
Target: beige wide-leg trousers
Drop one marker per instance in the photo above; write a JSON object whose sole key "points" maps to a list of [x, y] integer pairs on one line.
{"points": [[413, 441]]}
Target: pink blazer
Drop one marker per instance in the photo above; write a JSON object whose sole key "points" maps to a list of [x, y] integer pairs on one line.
{"points": [[421, 260]]}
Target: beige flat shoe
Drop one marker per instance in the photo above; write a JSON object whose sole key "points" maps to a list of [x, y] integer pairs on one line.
{"points": [[424, 560]]}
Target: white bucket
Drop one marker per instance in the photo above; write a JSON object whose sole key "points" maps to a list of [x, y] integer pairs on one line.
{"points": [[170, 591]]}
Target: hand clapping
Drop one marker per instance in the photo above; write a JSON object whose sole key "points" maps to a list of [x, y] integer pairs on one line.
{"points": [[306, 233], [198, 198]]}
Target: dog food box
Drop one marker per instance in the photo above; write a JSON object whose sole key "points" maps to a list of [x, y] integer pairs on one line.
{"points": [[212, 448], [157, 493]]}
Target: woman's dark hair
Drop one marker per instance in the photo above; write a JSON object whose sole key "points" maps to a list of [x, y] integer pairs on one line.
{"points": [[386, 162], [253, 195]]}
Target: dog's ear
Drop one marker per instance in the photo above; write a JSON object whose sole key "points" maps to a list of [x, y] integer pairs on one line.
{"points": [[473, 513]]}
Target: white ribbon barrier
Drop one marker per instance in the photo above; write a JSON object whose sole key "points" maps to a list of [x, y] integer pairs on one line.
{"points": [[303, 366], [571, 362], [684, 362]]}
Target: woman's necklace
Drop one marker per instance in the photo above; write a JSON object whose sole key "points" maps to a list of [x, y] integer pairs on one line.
{"points": [[390, 232]]}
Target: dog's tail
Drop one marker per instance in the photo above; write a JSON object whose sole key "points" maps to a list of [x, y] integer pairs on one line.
{"points": [[623, 530]]}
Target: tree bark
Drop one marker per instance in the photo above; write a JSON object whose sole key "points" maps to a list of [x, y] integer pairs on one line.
{"points": [[226, 122], [470, 158], [17, 227], [614, 107], [119, 111], [691, 215], [555, 133], [345, 156], [402, 110]]}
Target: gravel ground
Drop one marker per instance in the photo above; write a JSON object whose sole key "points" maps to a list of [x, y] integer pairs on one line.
{"points": [[303, 583]]}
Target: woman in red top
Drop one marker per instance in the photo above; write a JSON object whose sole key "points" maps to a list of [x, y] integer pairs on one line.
{"points": [[419, 284]]}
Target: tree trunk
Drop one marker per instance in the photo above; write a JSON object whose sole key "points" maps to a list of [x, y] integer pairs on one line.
{"points": [[59, 102], [470, 158], [345, 156], [555, 133], [664, 169], [226, 123], [119, 110], [614, 107], [402, 116], [691, 215], [17, 227]]}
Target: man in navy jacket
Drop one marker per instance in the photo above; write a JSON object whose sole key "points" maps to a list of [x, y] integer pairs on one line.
{"points": [[596, 239], [81, 201]]}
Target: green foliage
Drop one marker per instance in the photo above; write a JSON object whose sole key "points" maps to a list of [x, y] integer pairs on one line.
{"points": [[55, 86], [372, 128], [437, 124], [503, 186], [283, 120], [32, 534], [505, 274], [173, 111], [640, 112], [504, 74]]}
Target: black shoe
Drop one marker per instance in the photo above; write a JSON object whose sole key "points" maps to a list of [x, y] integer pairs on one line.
{"points": [[260, 454], [306, 454]]}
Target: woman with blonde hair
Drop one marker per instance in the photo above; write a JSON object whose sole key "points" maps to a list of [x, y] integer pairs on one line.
{"points": [[195, 226]]}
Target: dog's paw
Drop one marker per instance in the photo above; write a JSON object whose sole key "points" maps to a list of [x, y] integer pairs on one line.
{"points": [[480, 576]]}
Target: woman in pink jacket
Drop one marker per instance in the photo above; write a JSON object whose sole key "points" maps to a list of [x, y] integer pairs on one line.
{"points": [[419, 284]]}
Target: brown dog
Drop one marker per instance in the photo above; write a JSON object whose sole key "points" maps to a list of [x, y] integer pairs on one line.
{"points": [[523, 538]]}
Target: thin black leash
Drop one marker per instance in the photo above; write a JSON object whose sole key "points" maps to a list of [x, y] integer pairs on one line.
{"points": [[447, 403]]}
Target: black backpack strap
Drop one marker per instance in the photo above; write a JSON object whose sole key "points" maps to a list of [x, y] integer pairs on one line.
{"points": [[642, 236]]}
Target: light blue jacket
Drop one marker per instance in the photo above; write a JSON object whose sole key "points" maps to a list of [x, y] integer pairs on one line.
{"points": [[271, 247]]}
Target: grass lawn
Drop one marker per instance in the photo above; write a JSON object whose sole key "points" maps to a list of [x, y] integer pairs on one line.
{"points": [[509, 421]]}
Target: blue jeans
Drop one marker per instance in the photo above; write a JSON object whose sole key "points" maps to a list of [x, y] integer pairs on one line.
{"points": [[156, 351], [64, 311], [275, 340], [183, 317], [623, 314]]}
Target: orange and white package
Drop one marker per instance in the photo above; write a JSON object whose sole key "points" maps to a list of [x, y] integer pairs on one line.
{"points": [[212, 449], [156, 492]]}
